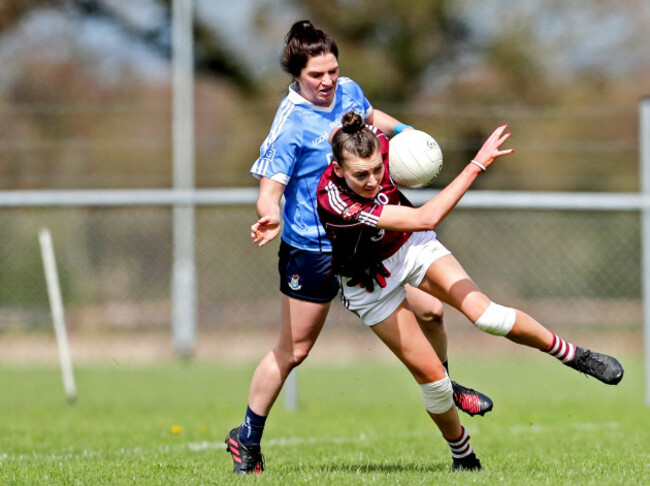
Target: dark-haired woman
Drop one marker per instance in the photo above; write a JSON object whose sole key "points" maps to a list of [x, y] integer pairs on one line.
{"points": [[366, 217], [292, 159]]}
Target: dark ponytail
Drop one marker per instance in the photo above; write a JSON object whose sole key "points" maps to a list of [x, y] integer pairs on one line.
{"points": [[354, 138], [302, 42]]}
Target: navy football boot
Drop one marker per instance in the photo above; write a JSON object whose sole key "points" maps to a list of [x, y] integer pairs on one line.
{"points": [[470, 401], [467, 463], [601, 366], [247, 459]]}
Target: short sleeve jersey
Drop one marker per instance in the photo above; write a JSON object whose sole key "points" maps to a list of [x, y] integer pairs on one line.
{"points": [[297, 151], [350, 221]]}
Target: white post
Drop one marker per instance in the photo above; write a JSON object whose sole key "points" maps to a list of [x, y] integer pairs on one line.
{"points": [[644, 154], [56, 307], [290, 387], [291, 391], [183, 292]]}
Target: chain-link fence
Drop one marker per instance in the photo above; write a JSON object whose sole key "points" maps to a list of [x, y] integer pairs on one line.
{"points": [[572, 269]]}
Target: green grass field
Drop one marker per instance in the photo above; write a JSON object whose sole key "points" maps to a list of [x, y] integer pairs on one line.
{"points": [[356, 424]]}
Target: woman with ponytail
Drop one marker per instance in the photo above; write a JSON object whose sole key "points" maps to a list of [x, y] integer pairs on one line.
{"points": [[370, 222], [292, 159]]}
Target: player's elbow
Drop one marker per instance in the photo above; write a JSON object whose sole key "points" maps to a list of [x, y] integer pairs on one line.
{"points": [[426, 222]]}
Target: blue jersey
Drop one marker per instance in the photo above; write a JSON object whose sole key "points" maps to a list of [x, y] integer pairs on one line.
{"points": [[297, 151]]}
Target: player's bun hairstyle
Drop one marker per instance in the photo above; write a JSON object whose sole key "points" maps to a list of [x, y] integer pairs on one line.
{"points": [[302, 42], [354, 138]]}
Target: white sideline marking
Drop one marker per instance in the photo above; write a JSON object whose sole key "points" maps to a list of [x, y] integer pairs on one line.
{"points": [[192, 446], [288, 441]]}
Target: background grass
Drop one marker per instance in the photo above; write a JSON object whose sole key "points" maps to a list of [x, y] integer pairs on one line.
{"points": [[357, 423]]}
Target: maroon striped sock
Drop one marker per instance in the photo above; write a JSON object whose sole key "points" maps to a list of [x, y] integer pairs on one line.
{"points": [[460, 447], [561, 349]]}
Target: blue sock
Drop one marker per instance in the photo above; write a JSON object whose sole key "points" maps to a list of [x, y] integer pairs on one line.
{"points": [[252, 429]]}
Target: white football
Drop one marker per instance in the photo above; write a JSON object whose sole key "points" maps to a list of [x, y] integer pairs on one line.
{"points": [[414, 159]]}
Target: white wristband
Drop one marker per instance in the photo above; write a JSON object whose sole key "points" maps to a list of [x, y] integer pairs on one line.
{"points": [[481, 166]]}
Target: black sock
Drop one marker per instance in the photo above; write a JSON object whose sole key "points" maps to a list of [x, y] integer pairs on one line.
{"points": [[252, 429]]}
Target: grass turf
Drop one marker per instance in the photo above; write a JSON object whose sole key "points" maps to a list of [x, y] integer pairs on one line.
{"points": [[356, 423]]}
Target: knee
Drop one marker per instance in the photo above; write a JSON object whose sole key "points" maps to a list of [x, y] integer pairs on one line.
{"points": [[438, 396], [497, 319], [431, 316], [299, 355], [291, 358]]}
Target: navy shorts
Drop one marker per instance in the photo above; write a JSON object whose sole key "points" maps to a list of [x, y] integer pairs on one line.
{"points": [[306, 275]]}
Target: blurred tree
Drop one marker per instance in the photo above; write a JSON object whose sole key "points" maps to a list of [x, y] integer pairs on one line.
{"points": [[212, 58], [391, 47], [387, 45], [396, 48], [447, 67], [11, 11]]}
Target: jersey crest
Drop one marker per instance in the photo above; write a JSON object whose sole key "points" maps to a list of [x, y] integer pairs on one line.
{"points": [[351, 211], [294, 283]]}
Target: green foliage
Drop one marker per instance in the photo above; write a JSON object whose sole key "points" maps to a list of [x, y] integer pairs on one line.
{"points": [[357, 423], [65, 125]]}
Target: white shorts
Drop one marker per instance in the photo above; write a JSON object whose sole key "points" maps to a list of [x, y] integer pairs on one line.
{"points": [[407, 266]]}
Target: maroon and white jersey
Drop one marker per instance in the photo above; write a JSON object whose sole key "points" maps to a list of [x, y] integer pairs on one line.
{"points": [[350, 221]]}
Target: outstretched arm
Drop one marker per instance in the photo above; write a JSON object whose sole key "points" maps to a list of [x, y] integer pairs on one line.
{"points": [[429, 215], [268, 209]]}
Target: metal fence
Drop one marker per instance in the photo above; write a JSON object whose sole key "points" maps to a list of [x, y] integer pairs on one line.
{"points": [[574, 261], [569, 260]]}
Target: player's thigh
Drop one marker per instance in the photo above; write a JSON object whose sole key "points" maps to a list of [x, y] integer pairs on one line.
{"points": [[302, 322], [403, 336], [447, 280], [425, 306]]}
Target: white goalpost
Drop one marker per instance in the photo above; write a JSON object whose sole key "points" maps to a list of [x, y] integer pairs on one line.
{"points": [[644, 155], [56, 307]]}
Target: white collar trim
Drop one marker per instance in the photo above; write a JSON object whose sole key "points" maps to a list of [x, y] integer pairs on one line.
{"points": [[295, 96]]}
